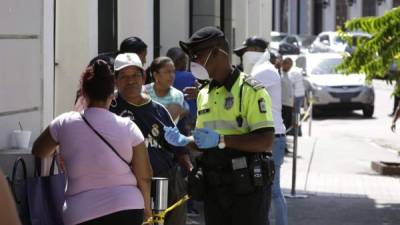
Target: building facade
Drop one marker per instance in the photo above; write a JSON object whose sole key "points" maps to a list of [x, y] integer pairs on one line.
{"points": [[48, 44], [311, 17]]}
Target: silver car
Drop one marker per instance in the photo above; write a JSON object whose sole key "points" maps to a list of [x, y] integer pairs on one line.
{"points": [[330, 41], [331, 90]]}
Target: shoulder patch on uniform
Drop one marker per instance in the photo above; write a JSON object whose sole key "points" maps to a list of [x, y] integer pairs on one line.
{"points": [[261, 105], [255, 84]]}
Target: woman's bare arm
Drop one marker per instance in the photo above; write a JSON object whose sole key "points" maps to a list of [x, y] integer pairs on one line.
{"points": [[143, 173], [44, 145], [8, 212]]}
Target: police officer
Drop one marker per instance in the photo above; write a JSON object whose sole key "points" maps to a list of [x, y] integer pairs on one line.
{"points": [[234, 130]]}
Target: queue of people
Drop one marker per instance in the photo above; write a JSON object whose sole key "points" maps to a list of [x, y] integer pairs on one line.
{"points": [[123, 131]]}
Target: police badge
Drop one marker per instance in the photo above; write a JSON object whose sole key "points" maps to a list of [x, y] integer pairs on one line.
{"points": [[228, 102], [261, 105]]}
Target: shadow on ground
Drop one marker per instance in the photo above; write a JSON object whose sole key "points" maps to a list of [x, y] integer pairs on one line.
{"points": [[330, 209], [342, 115]]}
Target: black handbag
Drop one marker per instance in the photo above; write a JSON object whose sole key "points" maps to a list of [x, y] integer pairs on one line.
{"points": [[39, 199], [19, 190]]}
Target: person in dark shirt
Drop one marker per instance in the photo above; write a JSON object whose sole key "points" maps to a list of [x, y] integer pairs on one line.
{"points": [[185, 82], [151, 117], [139, 47]]}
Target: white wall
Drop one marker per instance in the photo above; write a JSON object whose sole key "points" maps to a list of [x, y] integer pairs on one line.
{"points": [[355, 10], [239, 15], [249, 18], [329, 22], [48, 59], [306, 22], [292, 16], [135, 18], [21, 67], [174, 23], [259, 19], [384, 7], [76, 44], [266, 19], [277, 10]]}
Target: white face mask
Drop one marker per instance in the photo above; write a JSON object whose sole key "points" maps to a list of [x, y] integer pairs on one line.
{"points": [[249, 60], [199, 71]]}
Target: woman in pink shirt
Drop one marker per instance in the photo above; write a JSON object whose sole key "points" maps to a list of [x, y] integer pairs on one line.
{"points": [[102, 187]]}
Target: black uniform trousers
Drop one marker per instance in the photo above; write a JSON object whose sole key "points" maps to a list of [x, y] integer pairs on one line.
{"points": [[222, 207], [287, 116]]}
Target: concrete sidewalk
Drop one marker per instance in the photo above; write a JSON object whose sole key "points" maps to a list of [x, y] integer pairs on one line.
{"points": [[336, 175], [341, 188]]}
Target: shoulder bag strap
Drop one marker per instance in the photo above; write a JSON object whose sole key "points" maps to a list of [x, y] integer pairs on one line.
{"points": [[13, 179], [105, 141]]}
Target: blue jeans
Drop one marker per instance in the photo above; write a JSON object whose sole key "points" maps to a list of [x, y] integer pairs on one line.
{"points": [[298, 102], [278, 200]]}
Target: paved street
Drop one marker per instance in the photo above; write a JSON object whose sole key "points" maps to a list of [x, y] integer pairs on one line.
{"points": [[334, 169]]}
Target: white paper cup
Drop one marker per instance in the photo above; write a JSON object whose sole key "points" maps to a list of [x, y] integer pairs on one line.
{"points": [[21, 138]]}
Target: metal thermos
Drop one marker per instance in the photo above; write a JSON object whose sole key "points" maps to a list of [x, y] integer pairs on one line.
{"points": [[161, 195]]}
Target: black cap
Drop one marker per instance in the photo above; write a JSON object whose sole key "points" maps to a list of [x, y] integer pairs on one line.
{"points": [[201, 39], [132, 45], [251, 42], [273, 55]]}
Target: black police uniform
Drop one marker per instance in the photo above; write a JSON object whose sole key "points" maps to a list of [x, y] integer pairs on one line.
{"points": [[237, 184]]}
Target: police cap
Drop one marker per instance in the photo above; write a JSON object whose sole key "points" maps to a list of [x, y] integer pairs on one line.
{"points": [[254, 41], [201, 39]]}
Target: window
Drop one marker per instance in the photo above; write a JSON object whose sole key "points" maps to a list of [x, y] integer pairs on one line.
{"points": [[324, 39], [396, 3], [107, 26], [212, 13], [325, 66], [291, 40], [341, 13], [284, 15], [317, 17], [369, 7], [156, 28]]}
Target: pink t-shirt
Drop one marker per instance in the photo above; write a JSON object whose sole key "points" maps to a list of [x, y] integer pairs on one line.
{"points": [[99, 182]]}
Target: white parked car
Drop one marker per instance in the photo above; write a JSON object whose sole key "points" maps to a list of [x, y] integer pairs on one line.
{"points": [[331, 90], [330, 41]]}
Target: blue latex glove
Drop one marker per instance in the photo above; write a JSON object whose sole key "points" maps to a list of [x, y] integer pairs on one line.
{"points": [[174, 137], [205, 138]]}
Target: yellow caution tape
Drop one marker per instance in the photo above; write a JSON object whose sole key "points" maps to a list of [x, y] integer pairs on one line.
{"points": [[159, 217]]}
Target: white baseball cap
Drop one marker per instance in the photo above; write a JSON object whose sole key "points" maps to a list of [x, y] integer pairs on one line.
{"points": [[127, 59]]}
